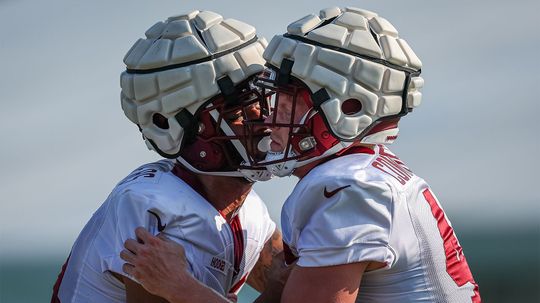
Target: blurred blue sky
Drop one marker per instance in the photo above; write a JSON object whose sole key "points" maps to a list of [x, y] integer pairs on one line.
{"points": [[66, 142]]}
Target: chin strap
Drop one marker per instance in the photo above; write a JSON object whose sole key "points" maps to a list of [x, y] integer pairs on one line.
{"points": [[252, 175]]}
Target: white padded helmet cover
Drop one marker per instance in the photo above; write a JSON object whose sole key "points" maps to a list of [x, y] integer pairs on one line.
{"points": [[160, 79], [351, 65]]}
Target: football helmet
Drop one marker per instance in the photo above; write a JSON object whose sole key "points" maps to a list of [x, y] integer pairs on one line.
{"points": [[354, 74], [186, 86]]}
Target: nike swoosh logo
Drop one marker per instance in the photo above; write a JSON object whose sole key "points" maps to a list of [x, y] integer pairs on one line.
{"points": [[160, 227], [329, 194]]}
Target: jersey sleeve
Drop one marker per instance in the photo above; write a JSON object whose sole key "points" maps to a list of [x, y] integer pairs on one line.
{"points": [[352, 225], [131, 210], [126, 212]]}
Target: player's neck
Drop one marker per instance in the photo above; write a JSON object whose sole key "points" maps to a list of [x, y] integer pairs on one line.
{"points": [[301, 172], [226, 194]]}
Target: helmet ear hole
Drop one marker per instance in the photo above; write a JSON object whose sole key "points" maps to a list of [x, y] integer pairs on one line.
{"points": [[351, 106], [160, 121]]}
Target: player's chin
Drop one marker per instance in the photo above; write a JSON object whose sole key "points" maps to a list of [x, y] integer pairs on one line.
{"points": [[276, 147]]}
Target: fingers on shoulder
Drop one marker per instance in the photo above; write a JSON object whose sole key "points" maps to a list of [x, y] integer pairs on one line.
{"points": [[145, 236]]}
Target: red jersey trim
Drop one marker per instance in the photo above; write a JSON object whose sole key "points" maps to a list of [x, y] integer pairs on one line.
{"points": [[239, 284], [56, 287], [456, 263], [238, 237]]}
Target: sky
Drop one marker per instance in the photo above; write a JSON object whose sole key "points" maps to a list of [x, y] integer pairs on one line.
{"points": [[66, 142]]}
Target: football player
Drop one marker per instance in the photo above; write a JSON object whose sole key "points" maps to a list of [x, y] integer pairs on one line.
{"points": [[188, 88], [360, 225]]}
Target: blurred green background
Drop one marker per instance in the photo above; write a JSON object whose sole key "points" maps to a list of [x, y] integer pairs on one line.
{"points": [[505, 263]]}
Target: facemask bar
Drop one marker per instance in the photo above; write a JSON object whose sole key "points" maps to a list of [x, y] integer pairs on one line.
{"points": [[270, 87], [224, 112]]}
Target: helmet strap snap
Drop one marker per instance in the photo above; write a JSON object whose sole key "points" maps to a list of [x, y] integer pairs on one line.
{"points": [[307, 143], [284, 75]]}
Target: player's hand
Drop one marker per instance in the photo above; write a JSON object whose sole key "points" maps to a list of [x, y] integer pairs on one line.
{"points": [[279, 272], [158, 263], [277, 278]]}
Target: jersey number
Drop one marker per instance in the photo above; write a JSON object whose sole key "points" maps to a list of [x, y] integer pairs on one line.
{"points": [[456, 264]]}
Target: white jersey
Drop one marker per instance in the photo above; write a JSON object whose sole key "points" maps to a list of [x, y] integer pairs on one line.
{"points": [[369, 206], [154, 197]]}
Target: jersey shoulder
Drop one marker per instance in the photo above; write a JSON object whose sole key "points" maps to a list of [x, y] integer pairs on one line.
{"points": [[354, 185], [342, 167], [255, 218], [169, 201], [388, 167], [342, 187], [340, 213], [348, 172], [365, 168], [146, 174], [157, 182]]}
